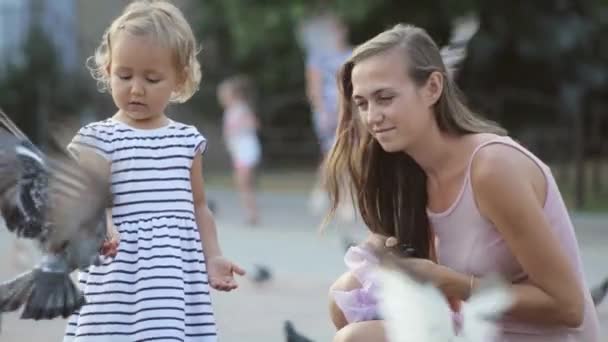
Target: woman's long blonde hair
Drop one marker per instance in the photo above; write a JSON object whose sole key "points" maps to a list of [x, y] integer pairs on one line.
{"points": [[390, 188]]}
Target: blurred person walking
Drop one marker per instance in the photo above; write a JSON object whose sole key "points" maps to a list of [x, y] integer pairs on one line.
{"points": [[240, 126]]}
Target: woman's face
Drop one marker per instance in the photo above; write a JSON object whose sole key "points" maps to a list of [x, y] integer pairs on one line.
{"points": [[396, 111]]}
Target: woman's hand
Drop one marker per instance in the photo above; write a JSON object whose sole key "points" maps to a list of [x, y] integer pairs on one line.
{"points": [[453, 284]]}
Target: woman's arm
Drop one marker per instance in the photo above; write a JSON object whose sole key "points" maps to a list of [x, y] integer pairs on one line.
{"points": [[507, 185], [509, 191], [314, 88]]}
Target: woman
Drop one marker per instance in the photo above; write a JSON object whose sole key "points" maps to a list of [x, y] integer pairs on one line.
{"points": [[325, 39], [426, 169]]}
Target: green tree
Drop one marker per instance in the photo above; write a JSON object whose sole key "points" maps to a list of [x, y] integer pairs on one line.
{"points": [[37, 89], [258, 38], [541, 74]]}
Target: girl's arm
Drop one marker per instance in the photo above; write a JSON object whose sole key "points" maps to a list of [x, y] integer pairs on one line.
{"points": [[251, 119], [256, 122], [219, 270], [204, 217]]}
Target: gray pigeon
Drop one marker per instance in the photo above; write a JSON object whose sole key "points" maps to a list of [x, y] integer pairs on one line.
{"points": [[599, 292], [261, 274], [291, 335], [62, 206]]}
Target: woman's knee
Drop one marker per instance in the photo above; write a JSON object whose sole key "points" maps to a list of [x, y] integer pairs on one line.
{"points": [[368, 331], [346, 282], [345, 334]]}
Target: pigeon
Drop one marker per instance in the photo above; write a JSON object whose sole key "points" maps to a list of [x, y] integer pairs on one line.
{"points": [[212, 206], [291, 335], [453, 56], [260, 274], [455, 52], [61, 206], [599, 292], [417, 311]]}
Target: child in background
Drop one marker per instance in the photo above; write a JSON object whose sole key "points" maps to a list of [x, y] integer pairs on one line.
{"points": [[158, 285], [240, 134]]}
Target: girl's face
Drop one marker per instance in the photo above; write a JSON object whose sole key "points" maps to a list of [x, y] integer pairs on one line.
{"points": [[396, 111], [142, 76]]}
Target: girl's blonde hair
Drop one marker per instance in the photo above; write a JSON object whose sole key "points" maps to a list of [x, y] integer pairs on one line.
{"points": [[165, 23], [390, 188]]}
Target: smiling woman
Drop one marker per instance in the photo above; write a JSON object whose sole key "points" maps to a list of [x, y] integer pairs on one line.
{"points": [[458, 195]]}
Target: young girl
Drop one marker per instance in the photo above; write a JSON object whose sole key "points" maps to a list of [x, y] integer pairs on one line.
{"points": [[157, 286], [240, 133], [423, 166]]}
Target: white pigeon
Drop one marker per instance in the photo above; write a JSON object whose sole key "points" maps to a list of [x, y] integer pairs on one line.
{"points": [[454, 53], [415, 312]]}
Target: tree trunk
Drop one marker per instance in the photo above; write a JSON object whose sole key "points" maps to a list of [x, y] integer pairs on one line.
{"points": [[571, 95], [579, 163], [596, 176], [597, 181]]}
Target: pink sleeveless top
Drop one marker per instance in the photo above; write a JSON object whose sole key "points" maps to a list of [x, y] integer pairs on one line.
{"points": [[469, 243]]}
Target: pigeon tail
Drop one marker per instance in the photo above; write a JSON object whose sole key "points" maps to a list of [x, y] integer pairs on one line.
{"points": [[292, 335], [45, 295], [599, 293]]}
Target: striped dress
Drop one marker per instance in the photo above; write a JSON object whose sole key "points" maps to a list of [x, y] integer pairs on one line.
{"points": [[156, 288]]}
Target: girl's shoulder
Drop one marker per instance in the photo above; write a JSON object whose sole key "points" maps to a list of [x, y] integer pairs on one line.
{"points": [[193, 135], [103, 127], [97, 136], [183, 127]]}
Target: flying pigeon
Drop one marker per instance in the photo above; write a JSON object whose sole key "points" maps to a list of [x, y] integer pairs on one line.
{"points": [[599, 292], [60, 205], [291, 335], [417, 311], [260, 274]]}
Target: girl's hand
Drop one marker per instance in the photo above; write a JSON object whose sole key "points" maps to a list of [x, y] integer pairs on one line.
{"points": [[221, 273], [110, 248]]}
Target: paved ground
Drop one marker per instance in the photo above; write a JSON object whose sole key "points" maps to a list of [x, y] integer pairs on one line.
{"points": [[304, 263]]}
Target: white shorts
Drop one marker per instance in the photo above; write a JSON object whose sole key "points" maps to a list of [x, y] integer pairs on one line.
{"points": [[245, 150]]}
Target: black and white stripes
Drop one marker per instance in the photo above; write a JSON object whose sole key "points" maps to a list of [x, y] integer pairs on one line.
{"points": [[156, 289]]}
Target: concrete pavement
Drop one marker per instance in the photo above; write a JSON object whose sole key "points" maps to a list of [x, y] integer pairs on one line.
{"points": [[304, 263]]}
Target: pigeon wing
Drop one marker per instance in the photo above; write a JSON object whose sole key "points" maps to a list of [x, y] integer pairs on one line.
{"points": [[413, 311], [481, 312], [79, 199], [23, 185]]}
